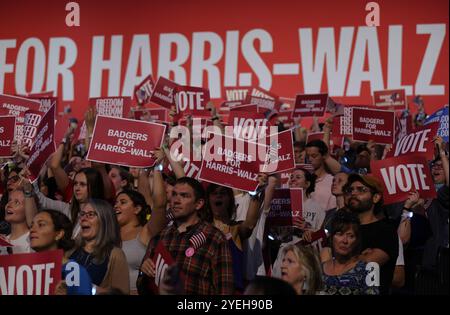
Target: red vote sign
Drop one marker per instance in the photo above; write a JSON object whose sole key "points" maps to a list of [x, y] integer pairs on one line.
{"points": [[401, 175], [7, 132], [233, 94], [43, 144], [30, 274], [162, 260], [309, 105], [143, 91], [191, 165], [374, 124], [417, 142], [111, 106], [248, 125], [192, 100], [232, 162], [125, 142]]}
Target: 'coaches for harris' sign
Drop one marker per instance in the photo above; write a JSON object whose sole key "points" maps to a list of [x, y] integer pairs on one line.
{"points": [[125, 142]]}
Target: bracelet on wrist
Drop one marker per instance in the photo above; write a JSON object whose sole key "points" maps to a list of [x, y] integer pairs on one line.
{"points": [[28, 194]]}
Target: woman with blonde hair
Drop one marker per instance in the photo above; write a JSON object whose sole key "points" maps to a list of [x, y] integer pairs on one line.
{"points": [[300, 267]]}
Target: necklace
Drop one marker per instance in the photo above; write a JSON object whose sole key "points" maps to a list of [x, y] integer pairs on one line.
{"points": [[344, 267]]}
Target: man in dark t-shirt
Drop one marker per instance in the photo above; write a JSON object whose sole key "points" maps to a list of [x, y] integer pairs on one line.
{"points": [[363, 194]]}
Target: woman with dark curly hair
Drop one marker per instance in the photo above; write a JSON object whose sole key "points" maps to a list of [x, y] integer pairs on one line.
{"points": [[131, 212]]}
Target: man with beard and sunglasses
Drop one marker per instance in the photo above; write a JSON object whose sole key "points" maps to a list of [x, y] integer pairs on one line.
{"points": [[363, 194]]}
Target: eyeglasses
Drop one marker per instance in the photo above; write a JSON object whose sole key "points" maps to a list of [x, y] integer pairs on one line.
{"points": [[358, 190], [89, 215], [437, 166]]}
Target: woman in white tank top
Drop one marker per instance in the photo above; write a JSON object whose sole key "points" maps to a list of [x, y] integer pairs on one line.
{"points": [[131, 211]]}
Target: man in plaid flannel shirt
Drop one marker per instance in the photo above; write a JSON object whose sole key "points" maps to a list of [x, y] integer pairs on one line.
{"points": [[208, 270]]}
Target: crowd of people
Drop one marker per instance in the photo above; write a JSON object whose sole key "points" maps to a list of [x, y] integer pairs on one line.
{"points": [[111, 219]]}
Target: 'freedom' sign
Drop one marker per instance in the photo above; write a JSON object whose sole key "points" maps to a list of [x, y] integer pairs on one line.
{"points": [[401, 175], [125, 142], [373, 124], [7, 131], [417, 142], [30, 274], [309, 105], [43, 144], [232, 162], [111, 106]]}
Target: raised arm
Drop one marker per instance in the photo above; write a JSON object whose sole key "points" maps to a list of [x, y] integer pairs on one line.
{"points": [[30, 204], [107, 184], [61, 178], [300, 133], [158, 219], [144, 186]]}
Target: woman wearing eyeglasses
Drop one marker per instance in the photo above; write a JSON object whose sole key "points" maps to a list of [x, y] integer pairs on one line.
{"points": [[98, 248], [88, 183]]}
